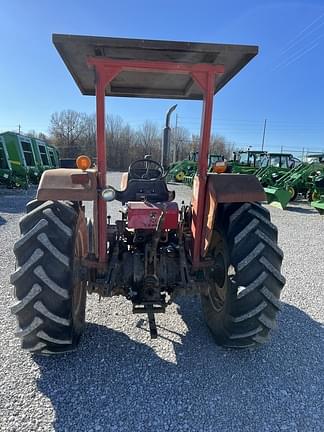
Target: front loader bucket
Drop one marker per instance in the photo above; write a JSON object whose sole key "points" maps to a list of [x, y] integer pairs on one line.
{"points": [[319, 205], [277, 197]]}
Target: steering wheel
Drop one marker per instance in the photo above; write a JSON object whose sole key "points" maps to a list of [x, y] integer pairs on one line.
{"points": [[145, 164]]}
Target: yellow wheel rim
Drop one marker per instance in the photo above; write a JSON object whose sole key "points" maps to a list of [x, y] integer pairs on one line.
{"points": [[315, 196], [180, 176], [291, 190]]}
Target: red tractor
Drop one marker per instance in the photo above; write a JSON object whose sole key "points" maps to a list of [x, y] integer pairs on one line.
{"points": [[222, 245]]}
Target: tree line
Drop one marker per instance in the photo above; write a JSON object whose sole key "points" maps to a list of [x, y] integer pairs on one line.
{"points": [[74, 133]]}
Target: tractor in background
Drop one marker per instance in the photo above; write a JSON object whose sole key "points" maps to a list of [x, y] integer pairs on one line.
{"points": [[274, 166], [299, 180], [213, 162], [317, 195], [247, 161], [178, 170]]}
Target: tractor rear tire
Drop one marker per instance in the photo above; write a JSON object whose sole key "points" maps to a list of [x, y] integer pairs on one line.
{"points": [[50, 291], [245, 284]]}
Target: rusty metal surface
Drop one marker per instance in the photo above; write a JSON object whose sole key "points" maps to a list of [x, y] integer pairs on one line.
{"points": [[80, 178], [229, 188], [194, 203], [75, 50], [207, 84], [68, 184], [209, 221]]}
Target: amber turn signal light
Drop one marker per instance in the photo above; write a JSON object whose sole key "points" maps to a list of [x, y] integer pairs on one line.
{"points": [[220, 167], [83, 162]]}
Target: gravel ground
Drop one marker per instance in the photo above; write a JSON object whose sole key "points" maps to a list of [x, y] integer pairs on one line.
{"points": [[120, 380]]}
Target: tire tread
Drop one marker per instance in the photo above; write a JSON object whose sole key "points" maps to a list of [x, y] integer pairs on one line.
{"points": [[257, 280], [43, 278]]}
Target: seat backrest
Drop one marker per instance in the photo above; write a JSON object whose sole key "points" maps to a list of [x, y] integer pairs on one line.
{"points": [[152, 191]]}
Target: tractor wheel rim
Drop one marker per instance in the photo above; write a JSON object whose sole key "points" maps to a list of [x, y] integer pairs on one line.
{"points": [[315, 196], [217, 278], [180, 176], [291, 190]]}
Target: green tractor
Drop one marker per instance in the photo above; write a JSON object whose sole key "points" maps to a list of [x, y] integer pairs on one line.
{"points": [[247, 162], [274, 166], [298, 180], [213, 159], [318, 194], [178, 170], [316, 191]]}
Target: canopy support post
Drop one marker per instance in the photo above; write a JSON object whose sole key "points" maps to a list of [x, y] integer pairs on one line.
{"points": [[206, 82]]}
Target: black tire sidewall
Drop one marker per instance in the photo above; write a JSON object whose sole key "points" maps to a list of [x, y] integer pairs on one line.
{"points": [[218, 320], [78, 309]]}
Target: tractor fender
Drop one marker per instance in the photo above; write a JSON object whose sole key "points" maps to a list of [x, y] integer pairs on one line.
{"points": [[227, 188], [68, 184]]}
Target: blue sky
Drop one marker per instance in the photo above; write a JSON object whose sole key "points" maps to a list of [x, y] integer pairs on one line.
{"points": [[284, 83]]}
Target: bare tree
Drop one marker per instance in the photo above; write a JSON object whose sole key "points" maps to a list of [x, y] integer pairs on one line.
{"points": [[32, 134], [88, 138], [42, 136], [180, 142], [74, 133], [116, 146], [219, 145], [39, 135], [67, 129], [149, 140]]}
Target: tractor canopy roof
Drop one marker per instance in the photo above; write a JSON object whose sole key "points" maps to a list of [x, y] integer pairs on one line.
{"points": [[75, 51]]}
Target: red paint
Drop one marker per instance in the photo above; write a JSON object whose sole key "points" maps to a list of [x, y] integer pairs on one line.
{"points": [[144, 215], [102, 166], [206, 82], [204, 75]]}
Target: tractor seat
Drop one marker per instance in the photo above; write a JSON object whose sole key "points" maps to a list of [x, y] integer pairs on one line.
{"points": [[144, 190]]}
